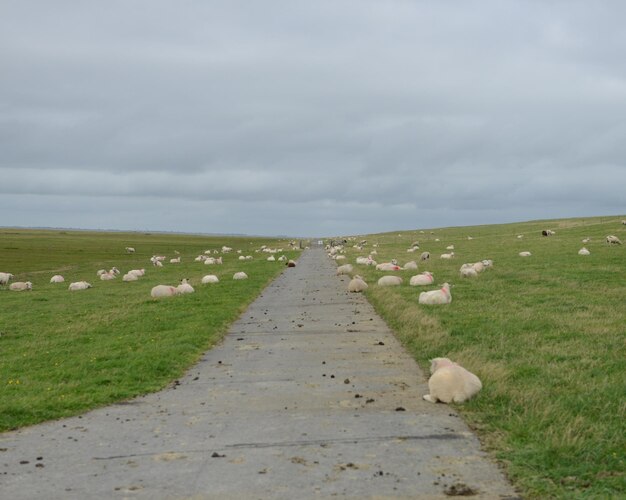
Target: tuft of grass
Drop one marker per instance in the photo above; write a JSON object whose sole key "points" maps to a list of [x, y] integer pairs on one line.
{"points": [[64, 352], [546, 334]]}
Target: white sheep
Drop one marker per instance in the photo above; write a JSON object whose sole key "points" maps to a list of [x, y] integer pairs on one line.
{"points": [[5, 278], [130, 250], [163, 291], [100, 272], [388, 266], [210, 278], [425, 256], [451, 382], [240, 276], [291, 263], [468, 271], [425, 278], [479, 266], [487, 263], [175, 260], [137, 272], [613, 240], [345, 269], [57, 278], [450, 247], [412, 265], [107, 276], [157, 263], [441, 296], [340, 257], [184, 287], [129, 277], [226, 249], [20, 286], [390, 281], [271, 258], [282, 258], [115, 270], [525, 254], [586, 240], [362, 260], [357, 284], [520, 236], [584, 251], [447, 255], [79, 285]]}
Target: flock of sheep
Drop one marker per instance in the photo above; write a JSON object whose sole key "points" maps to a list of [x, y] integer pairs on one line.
{"points": [[157, 261]]}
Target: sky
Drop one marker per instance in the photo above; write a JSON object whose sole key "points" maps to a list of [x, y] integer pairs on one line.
{"points": [[310, 118]]}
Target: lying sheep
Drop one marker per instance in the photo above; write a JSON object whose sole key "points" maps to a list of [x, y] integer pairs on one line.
{"points": [[100, 272], [390, 281], [129, 277], [5, 278], [586, 240], [357, 284], [487, 263], [291, 263], [107, 276], [425, 256], [79, 285], [240, 276], [163, 291], [447, 255], [388, 266], [282, 258], [441, 296], [175, 260], [425, 278], [525, 254], [547, 232], [451, 382], [411, 265], [468, 271], [450, 247], [613, 240], [130, 250], [271, 258], [584, 251], [479, 267], [57, 278], [210, 278], [137, 272], [345, 269], [20, 286], [184, 287]]}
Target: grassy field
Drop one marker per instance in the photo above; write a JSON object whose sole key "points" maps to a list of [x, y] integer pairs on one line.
{"points": [[64, 352], [546, 334]]}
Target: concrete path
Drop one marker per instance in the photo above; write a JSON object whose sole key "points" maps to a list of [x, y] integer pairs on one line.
{"points": [[309, 396]]}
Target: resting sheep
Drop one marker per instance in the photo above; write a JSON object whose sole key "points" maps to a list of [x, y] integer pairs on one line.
{"points": [[388, 266], [451, 382], [57, 278], [390, 281], [137, 272], [130, 250], [345, 269], [291, 263], [357, 284], [184, 287], [447, 255], [5, 278], [271, 258], [20, 286], [163, 291], [425, 278], [412, 265], [107, 276], [175, 260], [210, 278], [441, 296], [240, 276], [584, 251], [79, 285], [425, 256], [525, 254], [129, 277], [468, 271]]}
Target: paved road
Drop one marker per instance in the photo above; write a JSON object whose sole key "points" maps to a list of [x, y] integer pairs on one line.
{"points": [[309, 396]]}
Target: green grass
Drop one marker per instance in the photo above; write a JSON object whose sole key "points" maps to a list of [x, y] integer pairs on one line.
{"points": [[546, 334], [63, 352]]}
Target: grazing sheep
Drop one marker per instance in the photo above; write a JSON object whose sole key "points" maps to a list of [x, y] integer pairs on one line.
{"points": [[584, 251], [129, 277], [5, 278], [425, 256], [411, 265], [163, 291], [441, 296], [425, 278], [130, 250], [79, 285], [57, 278], [240, 276], [388, 266], [357, 284], [345, 269], [447, 255], [390, 281], [613, 240], [451, 382], [184, 287], [20, 286], [291, 263], [524, 254], [175, 260], [624, 222], [210, 278]]}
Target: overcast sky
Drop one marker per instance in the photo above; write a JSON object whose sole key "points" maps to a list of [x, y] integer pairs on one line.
{"points": [[310, 118]]}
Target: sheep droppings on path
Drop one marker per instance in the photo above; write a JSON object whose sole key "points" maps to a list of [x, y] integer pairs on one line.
{"points": [[451, 382]]}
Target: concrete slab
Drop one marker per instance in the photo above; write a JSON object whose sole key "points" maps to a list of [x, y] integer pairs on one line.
{"points": [[309, 396]]}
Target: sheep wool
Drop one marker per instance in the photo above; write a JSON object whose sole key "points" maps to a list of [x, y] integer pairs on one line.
{"points": [[163, 291], [584, 251], [412, 265], [451, 382], [425, 278], [390, 281], [5, 278], [240, 276], [525, 254], [20, 286], [57, 278], [79, 285], [357, 285], [345, 269], [441, 296], [210, 278]]}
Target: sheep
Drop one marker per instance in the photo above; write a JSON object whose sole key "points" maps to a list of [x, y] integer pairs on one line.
{"points": [[271, 258], [5, 278], [184, 287], [345, 269], [240, 276], [291, 263], [469, 238], [547, 232], [163, 291], [390, 281], [479, 267], [487, 263], [226, 249], [282, 258], [137, 272], [447, 255], [425, 278], [20, 286], [450, 247], [200, 258], [57, 278], [357, 284], [340, 257], [78, 285], [520, 236], [107, 276], [100, 272], [451, 382], [412, 265], [613, 240], [130, 250], [441, 296], [468, 271], [584, 251], [586, 240], [388, 266], [624, 222], [525, 254], [213, 260], [175, 260], [210, 278], [115, 271], [241, 257], [157, 263], [129, 277], [425, 256]]}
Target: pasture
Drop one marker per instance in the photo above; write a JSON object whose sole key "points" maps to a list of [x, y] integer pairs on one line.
{"points": [[64, 352], [546, 334]]}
